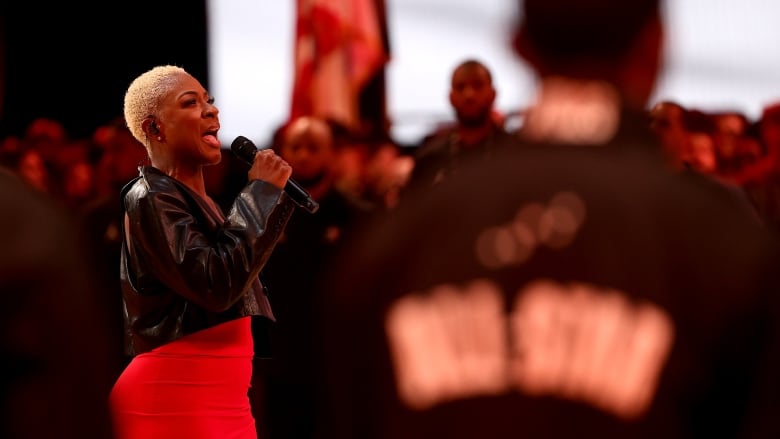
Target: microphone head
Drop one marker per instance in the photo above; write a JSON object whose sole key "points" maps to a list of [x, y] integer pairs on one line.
{"points": [[244, 149]]}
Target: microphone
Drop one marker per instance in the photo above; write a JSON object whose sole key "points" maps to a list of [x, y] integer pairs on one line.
{"points": [[244, 149]]}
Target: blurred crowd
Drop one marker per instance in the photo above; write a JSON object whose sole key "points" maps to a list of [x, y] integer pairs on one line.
{"points": [[725, 144], [81, 172], [728, 146], [84, 174], [73, 171]]}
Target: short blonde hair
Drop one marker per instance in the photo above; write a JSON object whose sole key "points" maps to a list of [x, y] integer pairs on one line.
{"points": [[145, 95]]}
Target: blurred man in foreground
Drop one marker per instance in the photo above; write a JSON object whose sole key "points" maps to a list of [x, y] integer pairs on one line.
{"points": [[573, 284]]}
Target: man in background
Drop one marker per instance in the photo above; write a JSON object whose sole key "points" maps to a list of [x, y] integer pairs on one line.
{"points": [[291, 274], [476, 131]]}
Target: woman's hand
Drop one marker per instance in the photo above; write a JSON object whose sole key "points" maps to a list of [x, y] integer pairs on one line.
{"points": [[268, 166]]}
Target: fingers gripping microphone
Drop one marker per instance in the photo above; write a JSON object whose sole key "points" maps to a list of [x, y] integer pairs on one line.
{"points": [[244, 149]]}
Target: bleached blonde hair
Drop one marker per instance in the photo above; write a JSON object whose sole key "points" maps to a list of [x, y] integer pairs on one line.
{"points": [[145, 95]]}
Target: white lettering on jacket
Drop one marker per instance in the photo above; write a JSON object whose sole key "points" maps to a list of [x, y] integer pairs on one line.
{"points": [[573, 341]]}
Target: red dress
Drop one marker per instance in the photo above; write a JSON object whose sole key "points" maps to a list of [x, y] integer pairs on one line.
{"points": [[195, 387]]}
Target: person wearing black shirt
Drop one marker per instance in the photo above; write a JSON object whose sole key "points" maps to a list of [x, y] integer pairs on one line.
{"points": [[574, 283]]}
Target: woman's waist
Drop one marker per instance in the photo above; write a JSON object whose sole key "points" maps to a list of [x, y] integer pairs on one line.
{"points": [[232, 338]]}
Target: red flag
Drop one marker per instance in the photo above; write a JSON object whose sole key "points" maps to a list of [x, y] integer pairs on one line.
{"points": [[338, 48]]}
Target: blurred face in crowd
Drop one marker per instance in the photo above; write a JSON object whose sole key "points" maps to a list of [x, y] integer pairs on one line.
{"points": [[667, 122], [472, 94], [308, 148], [770, 127], [122, 155], [79, 181], [729, 128], [32, 168], [701, 153]]}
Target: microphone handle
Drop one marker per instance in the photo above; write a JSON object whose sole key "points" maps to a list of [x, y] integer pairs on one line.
{"points": [[301, 197]]}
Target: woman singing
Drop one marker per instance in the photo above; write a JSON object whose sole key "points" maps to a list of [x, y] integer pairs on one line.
{"points": [[189, 272]]}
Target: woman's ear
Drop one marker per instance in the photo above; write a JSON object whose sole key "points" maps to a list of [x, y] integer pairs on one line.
{"points": [[146, 126], [150, 127]]}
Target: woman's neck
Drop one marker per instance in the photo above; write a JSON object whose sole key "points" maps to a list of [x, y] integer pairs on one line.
{"points": [[192, 177]]}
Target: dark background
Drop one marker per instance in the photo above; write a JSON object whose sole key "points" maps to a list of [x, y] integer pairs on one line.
{"points": [[72, 61]]}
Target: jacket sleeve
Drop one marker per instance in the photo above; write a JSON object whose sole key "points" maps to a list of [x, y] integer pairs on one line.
{"points": [[212, 268]]}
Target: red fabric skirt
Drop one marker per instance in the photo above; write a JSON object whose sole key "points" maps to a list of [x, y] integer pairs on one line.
{"points": [[195, 387]]}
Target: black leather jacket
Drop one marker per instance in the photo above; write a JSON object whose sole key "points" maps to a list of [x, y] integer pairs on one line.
{"points": [[183, 269]]}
